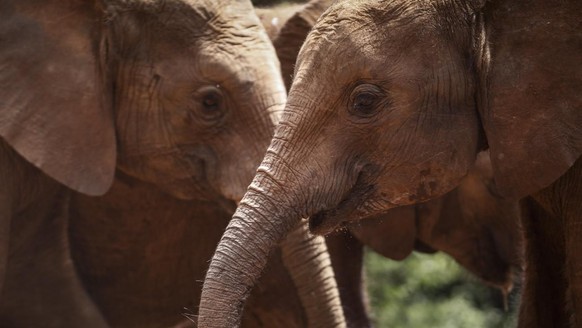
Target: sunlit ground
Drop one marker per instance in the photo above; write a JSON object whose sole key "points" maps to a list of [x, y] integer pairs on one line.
{"points": [[433, 291]]}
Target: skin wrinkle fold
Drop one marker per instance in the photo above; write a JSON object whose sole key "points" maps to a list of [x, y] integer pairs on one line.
{"points": [[235, 276], [272, 226], [275, 182], [251, 255]]}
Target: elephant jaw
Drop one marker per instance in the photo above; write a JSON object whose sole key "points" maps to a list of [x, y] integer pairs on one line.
{"points": [[350, 208], [322, 223]]}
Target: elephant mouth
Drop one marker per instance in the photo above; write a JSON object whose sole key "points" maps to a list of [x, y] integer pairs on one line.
{"points": [[348, 209], [321, 224]]}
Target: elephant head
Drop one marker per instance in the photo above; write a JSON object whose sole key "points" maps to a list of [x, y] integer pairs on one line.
{"points": [[180, 94], [390, 104]]}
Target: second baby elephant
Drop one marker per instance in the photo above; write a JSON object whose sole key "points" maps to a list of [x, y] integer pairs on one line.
{"points": [[180, 95]]}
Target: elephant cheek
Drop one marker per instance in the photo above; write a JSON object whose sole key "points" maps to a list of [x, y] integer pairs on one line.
{"points": [[402, 188], [181, 178]]}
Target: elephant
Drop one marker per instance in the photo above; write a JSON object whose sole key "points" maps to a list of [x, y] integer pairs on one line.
{"points": [[141, 251], [472, 224], [180, 95], [391, 103]]}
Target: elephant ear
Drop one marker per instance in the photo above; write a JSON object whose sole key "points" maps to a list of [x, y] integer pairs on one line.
{"points": [[55, 108], [293, 33], [531, 104], [393, 235], [476, 227]]}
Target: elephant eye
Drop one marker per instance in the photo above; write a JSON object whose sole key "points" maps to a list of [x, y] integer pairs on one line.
{"points": [[365, 100], [210, 101]]}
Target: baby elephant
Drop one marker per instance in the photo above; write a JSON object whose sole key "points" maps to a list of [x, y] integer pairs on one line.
{"points": [[142, 248], [160, 92], [472, 223]]}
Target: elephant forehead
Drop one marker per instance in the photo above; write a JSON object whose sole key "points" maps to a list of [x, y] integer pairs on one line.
{"points": [[359, 53], [346, 18], [340, 26], [366, 37], [189, 20]]}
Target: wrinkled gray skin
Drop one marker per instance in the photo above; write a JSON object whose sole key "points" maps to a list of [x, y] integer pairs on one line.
{"points": [[416, 90], [162, 91]]}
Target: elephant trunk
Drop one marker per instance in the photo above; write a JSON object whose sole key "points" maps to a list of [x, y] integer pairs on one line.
{"points": [[314, 278], [290, 184], [258, 224], [267, 213]]}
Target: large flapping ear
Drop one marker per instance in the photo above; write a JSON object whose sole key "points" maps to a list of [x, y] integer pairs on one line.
{"points": [[292, 35], [482, 206], [392, 234], [54, 101], [529, 57]]}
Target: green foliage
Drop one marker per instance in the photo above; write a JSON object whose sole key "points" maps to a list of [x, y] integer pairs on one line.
{"points": [[432, 291]]}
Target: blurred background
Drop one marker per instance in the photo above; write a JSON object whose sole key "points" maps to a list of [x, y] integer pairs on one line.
{"points": [[432, 290]]}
